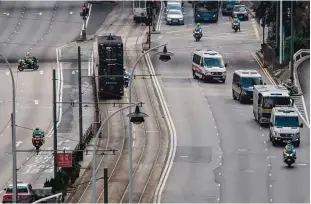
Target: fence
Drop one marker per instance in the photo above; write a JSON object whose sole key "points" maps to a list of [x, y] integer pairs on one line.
{"points": [[299, 57]]}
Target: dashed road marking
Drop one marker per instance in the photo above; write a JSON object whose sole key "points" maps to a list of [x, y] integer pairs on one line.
{"points": [[36, 102], [18, 143]]}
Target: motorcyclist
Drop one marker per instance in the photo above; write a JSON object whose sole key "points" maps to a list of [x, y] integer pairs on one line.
{"points": [[198, 28], [289, 148], [37, 132], [28, 58], [235, 19]]}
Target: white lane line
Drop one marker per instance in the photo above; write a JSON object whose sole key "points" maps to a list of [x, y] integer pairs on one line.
{"points": [[184, 156], [301, 164]]}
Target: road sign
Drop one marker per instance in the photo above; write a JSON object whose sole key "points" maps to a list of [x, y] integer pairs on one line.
{"points": [[64, 159]]}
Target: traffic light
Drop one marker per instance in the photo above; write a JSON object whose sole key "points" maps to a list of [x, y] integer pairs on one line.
{"points": [[85, 11]]}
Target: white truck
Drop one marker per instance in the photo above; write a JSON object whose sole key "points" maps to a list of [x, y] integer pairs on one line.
{"points": [[284, 126]]}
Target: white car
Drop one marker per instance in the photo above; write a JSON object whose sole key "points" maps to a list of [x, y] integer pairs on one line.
{"points": [[175, 17]]}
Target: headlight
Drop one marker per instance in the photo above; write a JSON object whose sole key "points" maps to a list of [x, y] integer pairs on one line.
{"points": [[169, 19], [198, 15], [224, 73], [181, 19], [214, 16], [276, 134], [243, 93], [207, 73]]}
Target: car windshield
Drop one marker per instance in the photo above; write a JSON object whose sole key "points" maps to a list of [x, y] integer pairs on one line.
{"points": [[239, 8], [204, 7], [173, 6], [251, 81], [214, 62], [174, 12], [270, 102], [285, 121], [20, 189]]}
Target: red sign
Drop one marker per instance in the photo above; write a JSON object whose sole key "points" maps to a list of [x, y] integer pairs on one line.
{"points": [[64, 159]]}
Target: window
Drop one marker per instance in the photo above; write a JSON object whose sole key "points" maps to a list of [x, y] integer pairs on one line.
{"points": [[20, 189], [205, 7], [239, 8], [196, 59], [214, 62], [284, 121], [251, 81], [174, 6], [136, 4], [175, 12], [142, 4], [270, 102], [236, 78]]}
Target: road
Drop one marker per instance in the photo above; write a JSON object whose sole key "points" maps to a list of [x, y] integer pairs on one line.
{"points": [[304, 79], [222, 154], [38, 27]]}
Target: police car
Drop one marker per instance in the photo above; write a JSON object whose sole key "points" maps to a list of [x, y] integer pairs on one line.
{"points": [[284, 126], [208, 65]]}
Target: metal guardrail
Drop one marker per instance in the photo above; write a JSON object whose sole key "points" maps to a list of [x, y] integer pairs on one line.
{"points": [[58, 198], [299, 57]]}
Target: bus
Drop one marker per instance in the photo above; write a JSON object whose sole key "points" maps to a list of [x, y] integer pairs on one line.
{"points": [[206, 11], [110, 70], [139, 11]]}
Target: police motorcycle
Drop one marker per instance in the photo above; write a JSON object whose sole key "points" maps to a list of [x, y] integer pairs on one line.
{"points": [[289, 157], [22, 64], [235, 26], [197, 34], [38, 141]]}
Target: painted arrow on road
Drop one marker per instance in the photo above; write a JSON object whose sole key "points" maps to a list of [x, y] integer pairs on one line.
{"points": [[18, 143]]}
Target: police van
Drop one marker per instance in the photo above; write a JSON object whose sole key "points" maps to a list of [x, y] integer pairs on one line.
{"points": [[243, 84], [208, 65], [284, 126]]}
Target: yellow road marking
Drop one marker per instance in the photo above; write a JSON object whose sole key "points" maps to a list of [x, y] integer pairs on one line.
{"points": [[255, 27], [268, 75]]}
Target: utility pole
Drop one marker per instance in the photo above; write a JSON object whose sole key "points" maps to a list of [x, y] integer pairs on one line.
{"points": [[80, 101], [105, 185], [55, 122], [281, 31], [277, 28], [292, 42], [149, 22]]}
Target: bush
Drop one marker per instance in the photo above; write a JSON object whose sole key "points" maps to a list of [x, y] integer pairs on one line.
{"points": [[65, 176]]}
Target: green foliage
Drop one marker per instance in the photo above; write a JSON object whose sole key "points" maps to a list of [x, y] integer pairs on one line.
{"points": [[299, 43], [65, 176]]}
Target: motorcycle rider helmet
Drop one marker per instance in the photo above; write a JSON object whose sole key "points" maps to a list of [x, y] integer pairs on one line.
{"points": [[289, 142], [27, 53], [198, 24], [37, 128]]}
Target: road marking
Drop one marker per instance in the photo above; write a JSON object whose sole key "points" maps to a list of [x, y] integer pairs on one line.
{"points": [[242, 150], [70, 12], [41, 72], [254, 23], [151, 131], [133, 143], [73, 72], [249, 171], [18, 143], [40, 13], [36, 102], [7, 73], [301, 164], [184, 156]]}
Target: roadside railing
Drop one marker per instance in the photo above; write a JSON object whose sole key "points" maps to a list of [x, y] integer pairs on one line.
{"points": [[56, 198], [299, 57]]}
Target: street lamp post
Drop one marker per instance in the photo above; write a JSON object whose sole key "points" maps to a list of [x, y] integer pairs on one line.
{"points": [[165, 56], [14, 198], [94, 149]]}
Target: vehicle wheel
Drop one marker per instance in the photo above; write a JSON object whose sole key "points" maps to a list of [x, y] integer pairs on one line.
{"points": [[233, 96], [20, 68], [36, 67], [273, 142], [241, 99], [235, 30], [193, 74]]}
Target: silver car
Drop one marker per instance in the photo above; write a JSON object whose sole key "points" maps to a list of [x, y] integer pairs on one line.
{"points": [[175, 17], [240, 11]]}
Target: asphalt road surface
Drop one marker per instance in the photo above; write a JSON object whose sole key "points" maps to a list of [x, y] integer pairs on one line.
{"points": [[304, 79], [222, 153], [38, 27]]}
